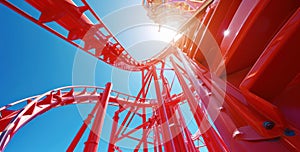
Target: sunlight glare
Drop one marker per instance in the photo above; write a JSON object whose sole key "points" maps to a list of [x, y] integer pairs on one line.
{"points": [[164, 34], [226, 33]]}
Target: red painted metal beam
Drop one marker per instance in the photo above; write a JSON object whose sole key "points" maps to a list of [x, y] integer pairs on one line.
{"points": [[91, 145], [211, 138], [111, 146], [190, 142], [82, 129], [144, 116], [166, 132]]}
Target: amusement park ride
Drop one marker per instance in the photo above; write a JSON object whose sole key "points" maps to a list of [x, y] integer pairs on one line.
{"points": [[237, 62]]}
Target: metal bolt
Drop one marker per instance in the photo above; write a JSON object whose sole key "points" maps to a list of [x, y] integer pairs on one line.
{"points": [[269, 125], [222, 109], [236, 133], [289, 132]]}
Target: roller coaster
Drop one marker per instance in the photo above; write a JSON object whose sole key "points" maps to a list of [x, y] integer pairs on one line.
{"points": [[236, 62]]}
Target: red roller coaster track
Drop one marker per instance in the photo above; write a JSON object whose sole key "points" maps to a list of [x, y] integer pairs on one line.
{"points": [[235, 60]]}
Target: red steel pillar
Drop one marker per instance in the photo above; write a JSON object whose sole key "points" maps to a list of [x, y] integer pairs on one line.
{"points": [[210, 136], [91, 145], [81, 131], [111, 146], [177, 132], [166, 132], [144, 117], [190, 142], [157, 142]]}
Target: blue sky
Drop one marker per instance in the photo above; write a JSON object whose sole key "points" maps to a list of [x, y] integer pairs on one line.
{"points": [[33, 61]]}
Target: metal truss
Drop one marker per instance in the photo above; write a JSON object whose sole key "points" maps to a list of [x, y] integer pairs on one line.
{"points": [[225, 78]]}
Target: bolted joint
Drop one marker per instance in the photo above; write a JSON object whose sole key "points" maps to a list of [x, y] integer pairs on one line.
{"points": [[289, 132], [269, 125]]}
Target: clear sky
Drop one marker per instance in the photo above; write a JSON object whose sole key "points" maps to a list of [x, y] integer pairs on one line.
{"points": [[33, 61]]}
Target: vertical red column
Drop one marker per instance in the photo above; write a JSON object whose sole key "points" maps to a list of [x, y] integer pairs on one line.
{"points": [[189, 142], [157, 142], [166, 132], [81, 131], [177, 133], [144, 117], [210, 136], [111, 146], [91, 145]]}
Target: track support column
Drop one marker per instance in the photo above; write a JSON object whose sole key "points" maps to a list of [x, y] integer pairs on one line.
{"points": [[166, 132], [91, 145], [111, 146], [210, 136]]}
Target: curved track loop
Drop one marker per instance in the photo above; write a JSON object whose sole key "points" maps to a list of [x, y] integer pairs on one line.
{"points": [[93, 38], [15, 115]]}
